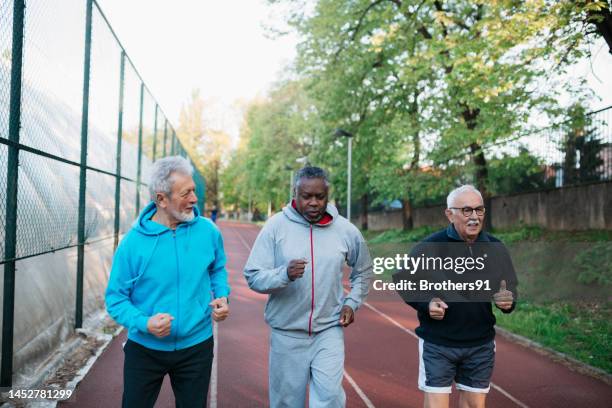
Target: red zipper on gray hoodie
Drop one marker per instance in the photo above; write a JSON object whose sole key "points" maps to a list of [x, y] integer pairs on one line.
{"points": [[312, 303]]}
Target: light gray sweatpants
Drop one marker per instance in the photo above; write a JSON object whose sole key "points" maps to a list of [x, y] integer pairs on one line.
{"points": [[317, 361]]}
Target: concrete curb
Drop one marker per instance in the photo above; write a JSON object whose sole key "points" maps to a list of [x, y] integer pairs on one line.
{"points": [[557, 356], [96, 323]]}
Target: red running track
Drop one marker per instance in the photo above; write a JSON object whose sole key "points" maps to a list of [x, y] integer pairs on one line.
{"points": [[381, 357]]}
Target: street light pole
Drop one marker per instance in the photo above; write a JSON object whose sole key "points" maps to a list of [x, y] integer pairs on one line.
{"points": [[290, 185], [348, 185], [338, 133]]}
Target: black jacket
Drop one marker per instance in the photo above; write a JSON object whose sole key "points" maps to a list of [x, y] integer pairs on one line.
{"points": [[466, 323]]}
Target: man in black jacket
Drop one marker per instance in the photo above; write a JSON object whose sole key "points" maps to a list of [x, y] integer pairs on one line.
{"points": [[456, 334]]}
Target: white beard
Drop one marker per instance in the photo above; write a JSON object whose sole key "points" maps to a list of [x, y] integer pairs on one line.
{"points": [[183, 216]]}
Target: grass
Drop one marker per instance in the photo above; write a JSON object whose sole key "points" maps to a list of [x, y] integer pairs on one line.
{"points": [[565, 282], [581, 330]]}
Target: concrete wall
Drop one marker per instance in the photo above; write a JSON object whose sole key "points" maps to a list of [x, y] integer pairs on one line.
{"points": [[381, 221], [426, 216], [432, 216], [567, 208]]}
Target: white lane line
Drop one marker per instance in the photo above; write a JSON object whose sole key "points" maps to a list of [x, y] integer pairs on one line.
{"points": [[507, 395], [413, 334], [358, 390], [247, 246], [404, 329], [356, 387], [213, 375]]}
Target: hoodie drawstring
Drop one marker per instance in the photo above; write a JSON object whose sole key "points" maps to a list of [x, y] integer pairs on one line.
{"points": [[146, 263]]}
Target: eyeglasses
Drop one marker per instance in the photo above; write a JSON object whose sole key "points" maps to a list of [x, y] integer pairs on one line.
{"points": [[467, 211]]}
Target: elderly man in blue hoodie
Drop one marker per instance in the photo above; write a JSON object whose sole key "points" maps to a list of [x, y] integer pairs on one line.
{"points": [[298, 259], [167, 281]]}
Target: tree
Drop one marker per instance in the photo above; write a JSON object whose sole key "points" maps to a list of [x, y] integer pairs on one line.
{"points": [[276, 131], [517, 173], [432, 83], [581, 148], [207, 147]]}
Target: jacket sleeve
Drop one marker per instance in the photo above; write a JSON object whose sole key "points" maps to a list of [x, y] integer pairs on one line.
{"points": [[217, 271], [119, 290], [509, 275], [360, 261], [259, 271]]}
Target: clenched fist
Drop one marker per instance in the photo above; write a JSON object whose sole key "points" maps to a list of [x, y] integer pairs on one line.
{"points": [[295, 269], [347, 316], [160, 324], [220, 309], [437, 308]]}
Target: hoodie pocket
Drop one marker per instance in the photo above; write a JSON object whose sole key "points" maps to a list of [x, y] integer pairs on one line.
{"points": [[194, 318]]}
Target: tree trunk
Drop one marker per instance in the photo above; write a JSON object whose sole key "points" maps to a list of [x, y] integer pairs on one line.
{"points": [[602, 19], [364, 212], [480, 162], [407, 220]]}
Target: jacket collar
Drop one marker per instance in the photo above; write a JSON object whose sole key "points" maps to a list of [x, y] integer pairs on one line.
{"points": [[325, 220]]}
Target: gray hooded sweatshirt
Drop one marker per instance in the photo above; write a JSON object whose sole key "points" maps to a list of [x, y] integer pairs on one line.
{"points": [[312, 303]]}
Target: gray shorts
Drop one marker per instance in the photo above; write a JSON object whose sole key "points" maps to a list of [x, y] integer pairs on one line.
{"points": [[470, 367]]}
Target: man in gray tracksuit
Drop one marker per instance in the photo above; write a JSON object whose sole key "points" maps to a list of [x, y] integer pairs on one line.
{"points": [[298, 259]]}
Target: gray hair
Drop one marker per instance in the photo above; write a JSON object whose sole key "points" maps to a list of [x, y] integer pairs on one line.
{"points": [[452, 196], [161, 174], [310, 172]]}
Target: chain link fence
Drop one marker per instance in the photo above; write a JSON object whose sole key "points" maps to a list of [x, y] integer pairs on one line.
{"points": [[576, 151], [79, 131]]}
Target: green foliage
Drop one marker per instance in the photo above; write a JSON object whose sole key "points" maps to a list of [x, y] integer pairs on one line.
{"points": [[523, 172], [400, 236], [276, 132], [426, 88], [207, 147], [594, 266], [522, 234], [581, 148]]}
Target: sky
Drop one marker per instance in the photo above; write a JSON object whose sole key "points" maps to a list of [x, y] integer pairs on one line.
{"points": [[218, 47]]}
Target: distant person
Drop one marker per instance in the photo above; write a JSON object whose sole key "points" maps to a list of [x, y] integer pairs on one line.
{"points": [[298, 259], [213, 214], [456, 339], [160, 286]]}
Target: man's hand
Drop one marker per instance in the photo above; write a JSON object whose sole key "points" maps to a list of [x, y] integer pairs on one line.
{"points": [[504, 298], [220, 309], [159, 325], [296, 268], [437, 308], [347, 316]]}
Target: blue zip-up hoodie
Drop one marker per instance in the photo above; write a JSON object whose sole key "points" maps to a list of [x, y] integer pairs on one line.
{"points": [[158, 270]]}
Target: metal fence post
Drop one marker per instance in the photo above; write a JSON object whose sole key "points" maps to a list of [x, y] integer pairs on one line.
{"points": [[165, 135], [78, 319], [10, 239], [173, 146], [155, 133], [118, 155], [138, 169]]}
